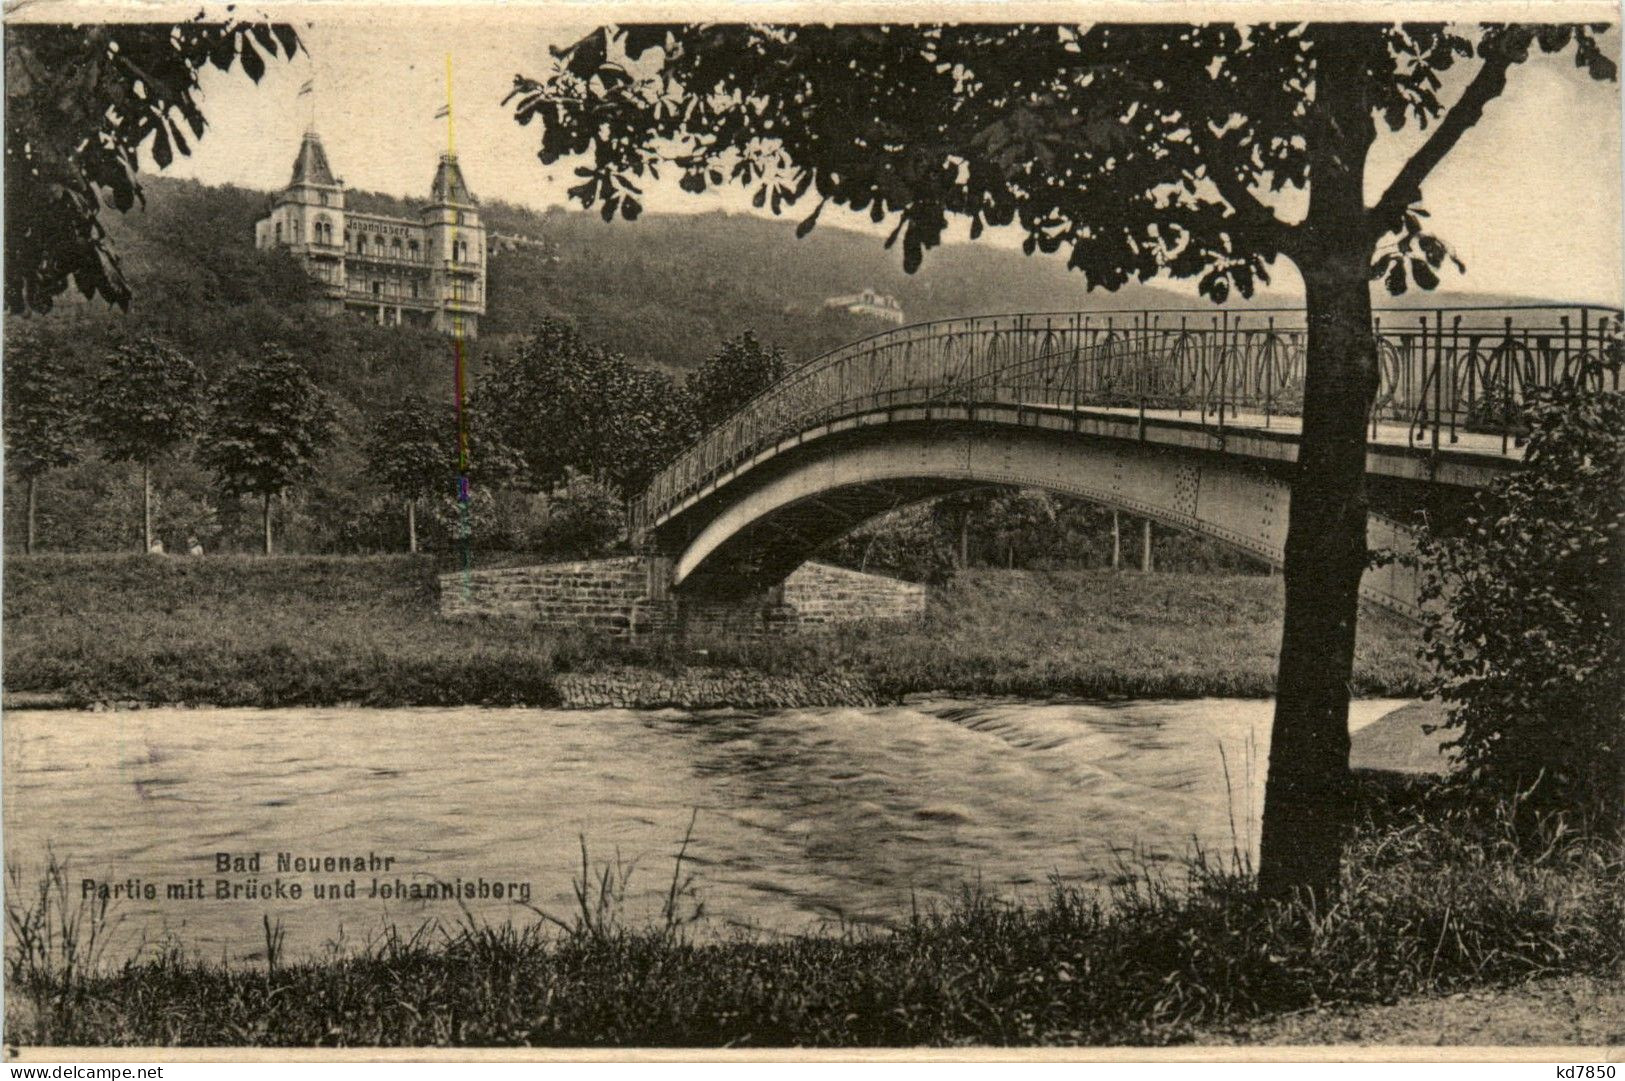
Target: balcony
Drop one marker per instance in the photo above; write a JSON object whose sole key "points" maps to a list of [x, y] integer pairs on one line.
{"points": [[367, 296], [459, 266], [405, 259]]}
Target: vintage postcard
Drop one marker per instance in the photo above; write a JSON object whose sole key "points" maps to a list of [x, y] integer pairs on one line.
{"points": [[1065, 531]]}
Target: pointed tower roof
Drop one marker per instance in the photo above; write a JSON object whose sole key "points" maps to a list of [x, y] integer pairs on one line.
{"points": [[311, 167], [449, 186]]}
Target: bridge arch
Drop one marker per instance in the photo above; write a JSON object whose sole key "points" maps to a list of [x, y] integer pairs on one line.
{"points": [[757, 529], [1178, 417]]}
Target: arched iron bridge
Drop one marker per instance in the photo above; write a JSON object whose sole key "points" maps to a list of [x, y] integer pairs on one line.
{"points": [[1448, 376]]}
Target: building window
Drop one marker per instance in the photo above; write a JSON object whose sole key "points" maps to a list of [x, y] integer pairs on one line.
{"points": [[396, 246], [377, 288], [414, 290], [279, 232], [459, 217], [324, 198], [412, 246]]}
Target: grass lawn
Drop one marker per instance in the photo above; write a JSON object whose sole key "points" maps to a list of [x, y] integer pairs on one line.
{"points": [[303, 630]]}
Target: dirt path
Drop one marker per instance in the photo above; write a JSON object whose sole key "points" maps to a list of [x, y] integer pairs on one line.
{"points": [[1570, 1011]]}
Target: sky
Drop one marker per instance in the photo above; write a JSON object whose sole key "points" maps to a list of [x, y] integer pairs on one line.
{"points": [[1530, 199]]}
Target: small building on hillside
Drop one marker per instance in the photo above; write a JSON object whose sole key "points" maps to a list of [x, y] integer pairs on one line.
{"points": [[880, 305], [427, 271]]}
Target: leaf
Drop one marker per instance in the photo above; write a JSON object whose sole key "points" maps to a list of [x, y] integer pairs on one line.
{"points": [[1394, 280], [253, 66], [289, 37], [806, 225], [161, 152]]}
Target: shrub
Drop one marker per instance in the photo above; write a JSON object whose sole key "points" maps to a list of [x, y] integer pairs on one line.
{"points": [[1527, 640], [584, 518]]}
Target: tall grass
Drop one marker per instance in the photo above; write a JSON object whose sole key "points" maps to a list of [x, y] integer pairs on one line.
{"points": [[1436, 897]]}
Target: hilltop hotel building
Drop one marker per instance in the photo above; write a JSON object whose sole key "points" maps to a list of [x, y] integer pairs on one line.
{"points": [[428, 272]]}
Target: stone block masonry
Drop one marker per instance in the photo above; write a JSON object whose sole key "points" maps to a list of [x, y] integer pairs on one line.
{"points": [[627, 596]]}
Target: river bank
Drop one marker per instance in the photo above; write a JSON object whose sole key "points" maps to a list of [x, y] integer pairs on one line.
{"points": [[1433, 894], [324, 631]]}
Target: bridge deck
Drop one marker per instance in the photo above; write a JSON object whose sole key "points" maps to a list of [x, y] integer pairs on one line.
{"points": [[1494, 445]]}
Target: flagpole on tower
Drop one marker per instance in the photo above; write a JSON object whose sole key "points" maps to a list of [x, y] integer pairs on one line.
{"points": [[309, 90]]}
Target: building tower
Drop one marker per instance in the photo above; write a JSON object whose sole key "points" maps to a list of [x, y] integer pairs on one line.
{"points": [[423, 271], [307, 217], [456, 245]]}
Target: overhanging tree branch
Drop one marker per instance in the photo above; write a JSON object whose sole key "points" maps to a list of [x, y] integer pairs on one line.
{"points": [[1249, 209], [1406, 187]]}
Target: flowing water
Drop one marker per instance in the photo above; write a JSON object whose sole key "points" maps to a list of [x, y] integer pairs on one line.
{"points": [[802, 818]]}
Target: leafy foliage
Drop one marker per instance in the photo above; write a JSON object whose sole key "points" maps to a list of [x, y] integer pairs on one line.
{"points": [[81, 100], [733, 375], [267, 428], [1528, 637], [563, 403], [148, 400], [412, 449], [583, 518], [1139, 148], [44, 416]]}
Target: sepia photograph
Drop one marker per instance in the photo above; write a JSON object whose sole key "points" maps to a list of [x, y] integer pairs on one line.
{"points": [[534, 529]]}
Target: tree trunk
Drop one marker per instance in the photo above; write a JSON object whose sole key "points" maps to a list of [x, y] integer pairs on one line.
{"points": [[412, 526], [964, 539], [267, 521], [1306, 800], [146, 505], [1145, 547], [1307, 797], [1117, 542], [28, 537]]}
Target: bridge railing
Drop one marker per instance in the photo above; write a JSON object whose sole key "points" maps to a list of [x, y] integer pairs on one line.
{"points": [[1443, 372]]}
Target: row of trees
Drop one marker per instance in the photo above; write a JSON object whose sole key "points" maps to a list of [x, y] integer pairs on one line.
{"points": [[563, 415], [259, 430], [557, 414]]}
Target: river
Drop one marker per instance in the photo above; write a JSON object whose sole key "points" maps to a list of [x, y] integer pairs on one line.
{"points": [[803, 819]]}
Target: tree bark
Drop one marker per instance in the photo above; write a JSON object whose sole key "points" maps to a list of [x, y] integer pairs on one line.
{"points": [[1307, 797], [412, 526], [146, 505], [267, 521], [1306, 801], [28, 537]]}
